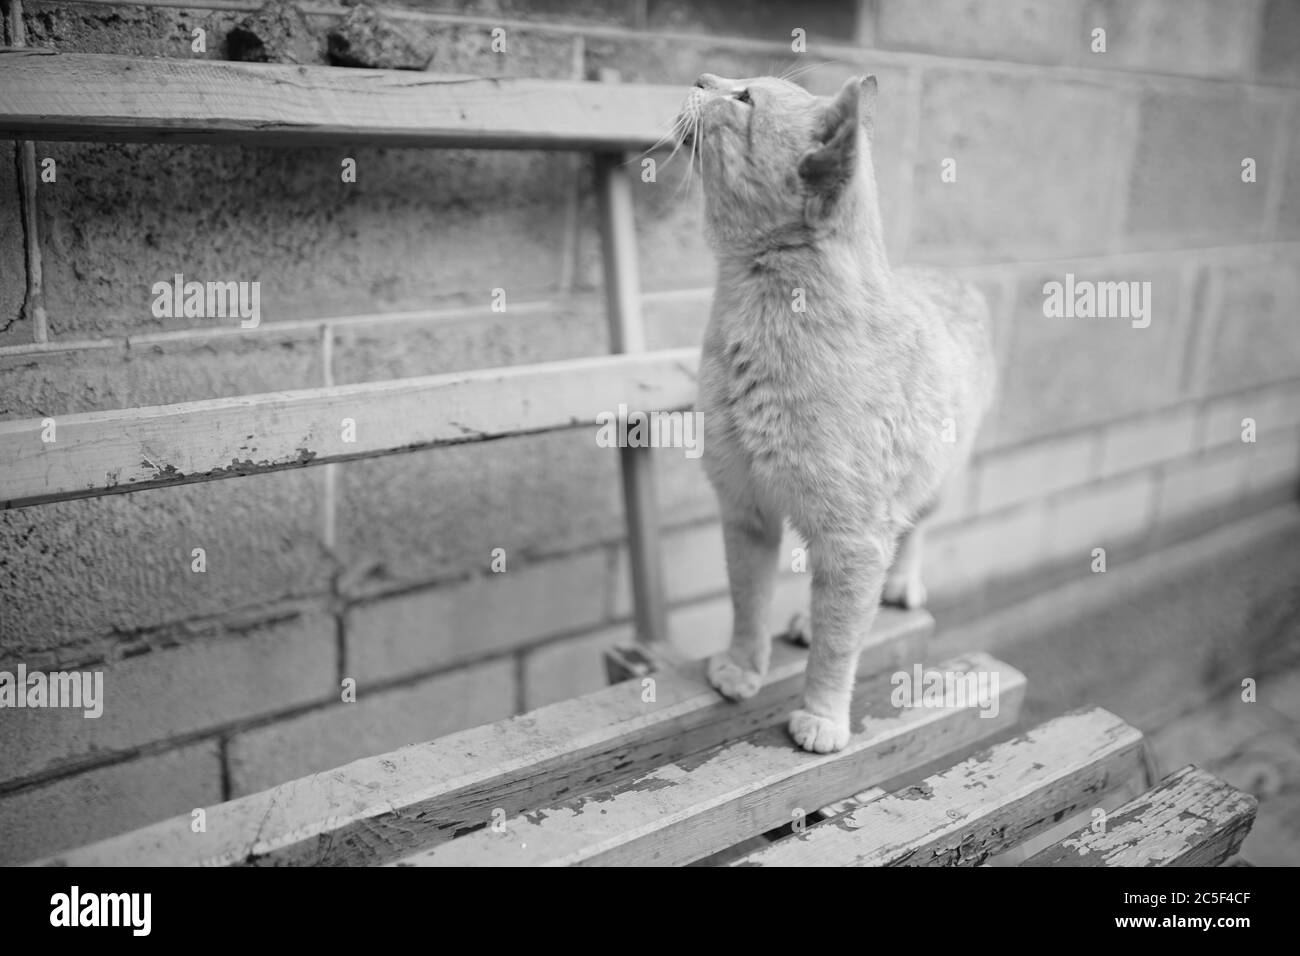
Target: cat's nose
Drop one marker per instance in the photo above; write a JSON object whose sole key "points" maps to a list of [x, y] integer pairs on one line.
{"points": [[708, 81]]}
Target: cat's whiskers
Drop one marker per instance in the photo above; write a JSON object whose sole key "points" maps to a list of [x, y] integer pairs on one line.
{"points": [[674, 136], [697, 131], [795, 72]]}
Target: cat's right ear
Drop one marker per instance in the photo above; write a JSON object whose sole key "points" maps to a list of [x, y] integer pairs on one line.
{"points": [[830, 164]]}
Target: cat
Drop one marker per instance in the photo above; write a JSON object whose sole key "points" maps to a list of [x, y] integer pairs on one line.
{"points": [[836, 393]]}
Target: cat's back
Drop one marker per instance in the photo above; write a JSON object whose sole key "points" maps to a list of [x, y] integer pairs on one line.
{"points": [[957, 312], [944, 297]]}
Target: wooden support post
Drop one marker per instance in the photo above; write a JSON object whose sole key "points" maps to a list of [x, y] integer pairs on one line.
{"points": [[626, 334]]}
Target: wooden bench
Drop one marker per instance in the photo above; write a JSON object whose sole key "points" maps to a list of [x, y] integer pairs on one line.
{"points": [[656, 768]]}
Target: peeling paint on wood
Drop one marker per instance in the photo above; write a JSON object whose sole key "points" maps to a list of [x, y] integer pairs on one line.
{"points": [[132, 449], [1191, 819], [692, 807], [981, 806], [382, 807]]}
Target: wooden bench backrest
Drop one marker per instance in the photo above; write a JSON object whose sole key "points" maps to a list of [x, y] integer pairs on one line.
{"points": [[52, 96]]}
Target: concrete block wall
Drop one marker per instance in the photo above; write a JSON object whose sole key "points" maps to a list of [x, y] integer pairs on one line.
{"points": [[1116, 165]]}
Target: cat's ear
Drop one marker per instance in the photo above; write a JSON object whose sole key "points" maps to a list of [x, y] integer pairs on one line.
{"points": [[867, 105], [834, 156]]}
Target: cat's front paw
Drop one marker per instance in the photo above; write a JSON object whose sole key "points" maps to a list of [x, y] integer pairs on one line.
{"points": [[819, 734], [904, 591], [730, 679]]}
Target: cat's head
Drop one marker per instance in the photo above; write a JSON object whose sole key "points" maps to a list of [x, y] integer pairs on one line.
{"points": [[777, 162]]}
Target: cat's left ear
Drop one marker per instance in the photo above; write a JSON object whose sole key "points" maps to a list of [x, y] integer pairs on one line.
{"points": [[831, 161]]}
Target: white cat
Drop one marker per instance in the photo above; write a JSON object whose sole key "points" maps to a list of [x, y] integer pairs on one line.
{"points": [[836, 393]]}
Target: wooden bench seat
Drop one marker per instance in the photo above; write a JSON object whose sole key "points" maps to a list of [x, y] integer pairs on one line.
{"points": [[659, 770]]}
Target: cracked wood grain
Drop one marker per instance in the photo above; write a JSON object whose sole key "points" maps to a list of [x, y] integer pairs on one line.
{"points": [[1190, 819], [982, 806], [692, 807], [73, 96], [124, 450], [383, 807]]}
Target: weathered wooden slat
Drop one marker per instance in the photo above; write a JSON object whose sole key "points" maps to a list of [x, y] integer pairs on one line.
{"points": [[980, 807], [108, 452], [382, 807], [1191, 818], [74, 96], [696, 806]]}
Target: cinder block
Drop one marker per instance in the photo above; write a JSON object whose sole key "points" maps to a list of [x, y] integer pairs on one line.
{"points": [[694, 566], [1016, 140], [676, 319], [418, 227], [78, 577], [1282, 406], [1196, 37], [1034, 31], [1272, 409], [1127, 446], [704, 628], [1100, 516], [1069, 372], [957, 500], [685, 495], [130, 31], [410, 519], [101, 803], [1279, 42], [490, 613], [571, 667], [960, 558], [376, 723], [1035, 471], [1274, 461], [1288, 213], [669, 212], [1221, 419], [1186, 180], [1255, 338], [1210, 479], [210, 680], [158, 373], [566, 328], [823, 21]]}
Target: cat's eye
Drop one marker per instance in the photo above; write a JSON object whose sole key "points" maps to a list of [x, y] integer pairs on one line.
{"points": [[743, 97]]}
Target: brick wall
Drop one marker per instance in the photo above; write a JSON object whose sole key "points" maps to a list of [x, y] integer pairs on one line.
{"points": [[1122, 165]]}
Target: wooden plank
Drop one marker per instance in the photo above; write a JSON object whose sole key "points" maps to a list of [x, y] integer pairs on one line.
{"points": [[698, 805], [382, 807], [1191, 818], [982, 806], [108, 452], [627, 335], [76, 96]]}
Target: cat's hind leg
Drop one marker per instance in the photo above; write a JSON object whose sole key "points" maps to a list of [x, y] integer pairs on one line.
{"points": [[753, 543]]}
